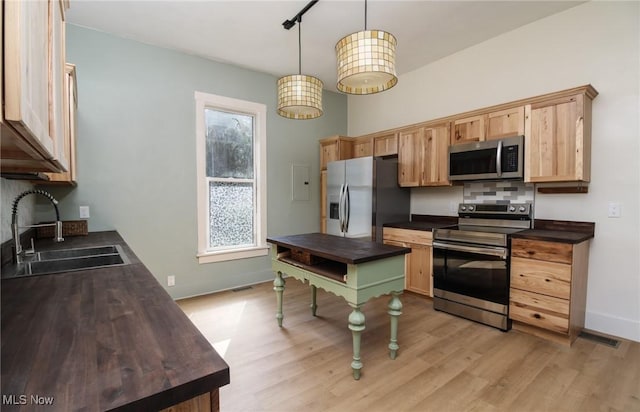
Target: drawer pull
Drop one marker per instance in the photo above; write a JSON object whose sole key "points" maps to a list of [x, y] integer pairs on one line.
{"points": [[537, 316]]}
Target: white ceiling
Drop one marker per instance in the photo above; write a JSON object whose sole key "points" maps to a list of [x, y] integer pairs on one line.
{"points": [[250, 33]]}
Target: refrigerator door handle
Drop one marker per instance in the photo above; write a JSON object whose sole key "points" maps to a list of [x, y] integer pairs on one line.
{"points": [[340, 207], [347, 208]]}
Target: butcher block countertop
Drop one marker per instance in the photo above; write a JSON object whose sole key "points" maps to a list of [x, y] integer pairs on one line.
{"points": [[425, 222], [101, 339], [337, 248], [561, 231]]}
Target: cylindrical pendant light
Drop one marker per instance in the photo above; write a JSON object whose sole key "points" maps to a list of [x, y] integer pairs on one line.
{"points": [[366, 61], [299, 95]]}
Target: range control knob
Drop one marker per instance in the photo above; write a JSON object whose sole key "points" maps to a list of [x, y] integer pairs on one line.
{"points": [[522, 209], [512, 209], [463, 208], [471, 208]]}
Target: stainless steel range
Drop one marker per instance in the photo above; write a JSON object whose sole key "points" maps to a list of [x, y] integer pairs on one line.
{"points": [[471, 262]]}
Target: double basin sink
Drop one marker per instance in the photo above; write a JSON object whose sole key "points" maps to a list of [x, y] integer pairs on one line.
{"points": [[68, 260]]}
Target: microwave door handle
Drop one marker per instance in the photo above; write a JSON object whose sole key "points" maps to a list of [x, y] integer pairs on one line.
{"points": [[499, 159]]}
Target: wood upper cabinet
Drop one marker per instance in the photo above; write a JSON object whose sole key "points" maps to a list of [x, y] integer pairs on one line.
{"points": [[33, 94], [418, 263], [335, 148], [423, 156], [467, 130], [410, 157], [435, 156], [505, 123], [549, 288], [385, 145], [558, 138], [70, 125], [499, 124], [362, 146]]}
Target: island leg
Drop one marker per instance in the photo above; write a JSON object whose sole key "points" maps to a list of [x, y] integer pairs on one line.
{"points": [[395, 310], [356, 324], [313, 305], [278, 286]]}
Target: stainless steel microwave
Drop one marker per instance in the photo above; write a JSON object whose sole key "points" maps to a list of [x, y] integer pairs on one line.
{"points": [[491, 159]]}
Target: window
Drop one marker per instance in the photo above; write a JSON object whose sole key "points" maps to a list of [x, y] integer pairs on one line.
{"points": [[231, 162]]}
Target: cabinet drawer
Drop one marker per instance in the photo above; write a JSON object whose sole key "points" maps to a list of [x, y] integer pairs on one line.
{"points": [[539, 310], [423, 237], [547, 278], [541, 250]]}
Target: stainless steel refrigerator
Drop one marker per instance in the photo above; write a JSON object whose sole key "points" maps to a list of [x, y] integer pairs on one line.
{"points": [[362, 195]]}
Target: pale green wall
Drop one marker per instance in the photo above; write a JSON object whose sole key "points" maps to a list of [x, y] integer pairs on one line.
{"points": [[137, 155]]}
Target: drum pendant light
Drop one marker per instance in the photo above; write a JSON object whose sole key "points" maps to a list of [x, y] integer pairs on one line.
{"points": [[366, 61], [299, 95]]}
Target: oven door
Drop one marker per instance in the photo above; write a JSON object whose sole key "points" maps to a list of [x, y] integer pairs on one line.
{"points": [[476, 271]]}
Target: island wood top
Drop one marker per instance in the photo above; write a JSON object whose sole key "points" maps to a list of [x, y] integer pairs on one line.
{"points": [[339, 249], [103, 339]]}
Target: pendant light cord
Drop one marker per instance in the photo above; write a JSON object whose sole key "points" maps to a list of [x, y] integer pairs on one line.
{"points": [[299, 44], [365, 15]]}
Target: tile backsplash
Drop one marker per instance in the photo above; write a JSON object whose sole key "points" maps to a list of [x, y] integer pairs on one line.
{"points": [[506, 191]]}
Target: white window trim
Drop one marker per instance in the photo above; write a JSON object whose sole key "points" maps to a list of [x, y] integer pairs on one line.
{"points": [[259, 111]]}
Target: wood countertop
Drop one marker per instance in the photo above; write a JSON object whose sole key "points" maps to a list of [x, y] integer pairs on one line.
{"points": [[339, 249], [561, 231], [101, 339]]}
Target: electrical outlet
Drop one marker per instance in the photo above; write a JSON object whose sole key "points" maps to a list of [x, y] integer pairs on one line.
{"points": [[615, 209], [84, 212], [171, 280]]}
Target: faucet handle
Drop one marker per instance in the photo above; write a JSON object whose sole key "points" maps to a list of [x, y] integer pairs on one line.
{"points": [[31, 251], [58, 231]]}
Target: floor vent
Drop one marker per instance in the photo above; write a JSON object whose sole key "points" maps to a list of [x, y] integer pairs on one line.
{"points": [[614, 343], [241, 288]]}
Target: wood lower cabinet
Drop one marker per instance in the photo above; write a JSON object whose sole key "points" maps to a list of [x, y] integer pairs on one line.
{"points": [[423, 158], [549, 288], [207, 402], [558, 137], [418, 263]]}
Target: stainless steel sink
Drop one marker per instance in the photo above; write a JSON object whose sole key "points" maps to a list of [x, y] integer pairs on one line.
{"points": [[68, 260]]}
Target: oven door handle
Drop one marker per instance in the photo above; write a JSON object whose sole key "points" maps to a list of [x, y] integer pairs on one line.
{"points": [[480, 250]]}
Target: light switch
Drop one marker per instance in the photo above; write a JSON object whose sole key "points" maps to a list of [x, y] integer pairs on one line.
{"points": [[615, 209]]}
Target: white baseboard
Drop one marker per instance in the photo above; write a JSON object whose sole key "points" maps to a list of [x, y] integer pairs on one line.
{"points": [[610, 325]]}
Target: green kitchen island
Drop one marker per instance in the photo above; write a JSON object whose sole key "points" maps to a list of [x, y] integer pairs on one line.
{"points": [[355, 269]]}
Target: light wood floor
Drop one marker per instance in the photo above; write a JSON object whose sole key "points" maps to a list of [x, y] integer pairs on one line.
{"points": [[444, 363]]}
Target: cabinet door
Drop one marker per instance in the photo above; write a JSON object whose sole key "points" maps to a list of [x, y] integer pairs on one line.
{"points": [[467, 130], [409, 157], [558, 146], [435, 156], [57, 88], [363, 147], [26, 72], [418, 269], [385, 145], [505, 123], [335, 148]]}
